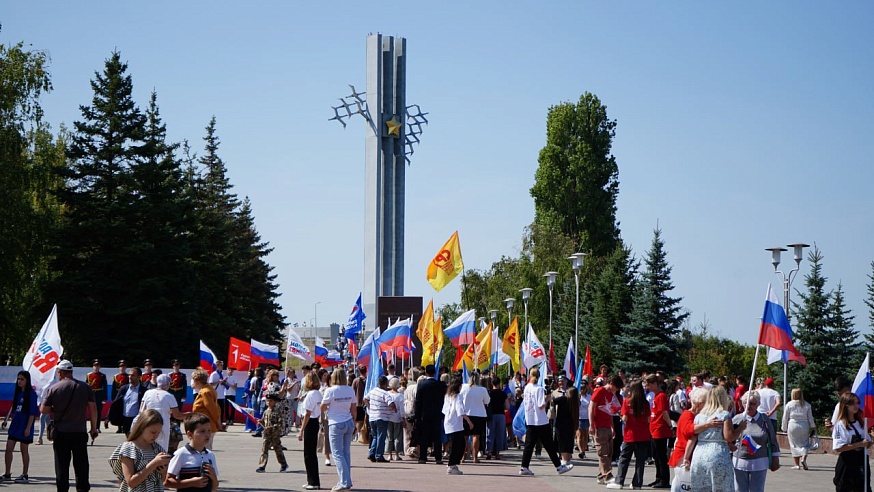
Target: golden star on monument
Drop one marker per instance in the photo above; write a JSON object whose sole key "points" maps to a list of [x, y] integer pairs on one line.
{"points": [[393, 126]]}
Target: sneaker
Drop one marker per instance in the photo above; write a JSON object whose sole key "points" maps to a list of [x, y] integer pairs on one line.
{"points": [[614, 486], [260, 469], [21, 479], [453, 470], [338, 487], [310, 487], [601, 481], [564, 468], [5, 477], [525, 472], [39, 441], [582, 456], [283, 469], [328, 462]]}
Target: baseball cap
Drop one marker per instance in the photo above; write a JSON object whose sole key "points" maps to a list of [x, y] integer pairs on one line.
{"points": [[65, 365], [769, 382]]}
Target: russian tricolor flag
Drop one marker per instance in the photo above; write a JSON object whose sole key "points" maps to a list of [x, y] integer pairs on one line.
{"points": [[366, 350], [570, 357], [863, 387], [207, 358], [396, 335], [775, 330], [750, 444], [325, 357], [462, 331], [261, 353]]}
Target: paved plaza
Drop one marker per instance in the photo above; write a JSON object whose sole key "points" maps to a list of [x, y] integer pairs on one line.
{"points": [[237, 453]]}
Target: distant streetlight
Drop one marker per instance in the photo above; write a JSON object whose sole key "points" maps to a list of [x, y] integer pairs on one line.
{"points": [[577, 265], [316, 310], [509, 302], [550, 282], [526, 294]]}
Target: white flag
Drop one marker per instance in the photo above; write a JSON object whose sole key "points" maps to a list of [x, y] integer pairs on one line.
{"points": [[534, 353], [296, 348], [45, 352]]}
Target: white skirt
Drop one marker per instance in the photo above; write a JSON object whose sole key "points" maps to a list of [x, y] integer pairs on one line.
{"points": [[799, 438]]}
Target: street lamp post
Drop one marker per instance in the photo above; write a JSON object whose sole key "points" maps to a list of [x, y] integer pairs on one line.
{"points": [[798, 251], [316, 314], [577, 265], [509, 302], [526, 294], [493, 314], [550, 282]]}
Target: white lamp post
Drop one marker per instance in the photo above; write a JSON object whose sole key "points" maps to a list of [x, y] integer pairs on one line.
{"points": [[526, 294], [577, 265], [509, 302], [550, 282]]}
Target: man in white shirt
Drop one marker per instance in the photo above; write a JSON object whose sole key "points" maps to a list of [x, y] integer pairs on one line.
{"points": [[770, 401], [218, 381]]}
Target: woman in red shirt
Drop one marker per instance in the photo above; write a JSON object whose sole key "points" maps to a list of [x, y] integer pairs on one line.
{"points": [[636, 436], [686, 428]]}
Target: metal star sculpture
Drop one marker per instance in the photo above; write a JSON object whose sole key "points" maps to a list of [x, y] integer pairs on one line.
{"points": [[356, 104]]}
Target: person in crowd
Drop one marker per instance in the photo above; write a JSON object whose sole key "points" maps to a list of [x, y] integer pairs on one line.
{"points": [[379, 406], [193, 466], [474, 399], [178, 383], [770, 400], [269, 383], [255, 384], [496, 431], [429, 402], [146, 374], [340, 403], [231, 396], [604, 405], [358, 386], [97, 381], [119, 379], [851, 442], [409, 409], [140, 463], [711, 466], [272, 423], [538, 431], [69, 401], [324, 441], [128, 399], [841, 385], [565, 418], [394, 432], [206, 402], [292, 395], [164, 403], [636, 441], [219, 382], [584, 424], [661, 431], [686, 428], [23, 411], [309, 430], [757, 447], [453, 423], [740, 383], [799, 424], [44, 419]]}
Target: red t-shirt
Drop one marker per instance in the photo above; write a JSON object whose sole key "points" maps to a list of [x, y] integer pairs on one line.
{"points": [[604, 406], [636, 428], [685, 431], [658, 427], [738, 394]]}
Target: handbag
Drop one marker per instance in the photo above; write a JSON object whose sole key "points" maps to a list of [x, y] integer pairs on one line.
{"points": [[51, 429], [774, 461], [814, 443]]}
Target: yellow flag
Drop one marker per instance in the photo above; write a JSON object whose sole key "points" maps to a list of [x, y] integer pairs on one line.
{"points": [[446, 265], [431, 343], [425, 322], [511, 345], [479, 351]]}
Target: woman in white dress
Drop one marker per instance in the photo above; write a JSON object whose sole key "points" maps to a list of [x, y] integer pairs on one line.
{"points": [[798, 422]]}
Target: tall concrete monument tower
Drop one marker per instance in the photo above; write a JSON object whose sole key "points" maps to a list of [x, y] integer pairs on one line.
{"points": [[391, 131]]}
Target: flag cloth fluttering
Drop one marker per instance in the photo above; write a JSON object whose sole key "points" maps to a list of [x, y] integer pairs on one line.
{"points": [[325, 357], [775, 330], [534, 353], [207, 358], [44, 353], [366, 351], [863, 387], [425, 328], [784, 356], [446, 265], [296, 347], [262, 353], [512, 343], [587, 366], [239, 358], [462, 331], [355, 323], [570, 359]]}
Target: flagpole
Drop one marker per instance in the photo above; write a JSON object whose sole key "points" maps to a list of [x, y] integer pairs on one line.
{"points": [[755, 362], [287, 341]]}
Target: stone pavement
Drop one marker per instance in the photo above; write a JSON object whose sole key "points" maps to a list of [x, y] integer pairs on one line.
{"points": [[237, 453]]}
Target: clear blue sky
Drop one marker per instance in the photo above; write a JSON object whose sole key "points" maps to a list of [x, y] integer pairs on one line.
{"points": [[740, 126]]}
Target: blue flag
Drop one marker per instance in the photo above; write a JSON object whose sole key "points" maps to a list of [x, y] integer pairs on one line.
{"points": [[579, 379], [465, 376], [375, 369], [356, 320], [519, 427]]}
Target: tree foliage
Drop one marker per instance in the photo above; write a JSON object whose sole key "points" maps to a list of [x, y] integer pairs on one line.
{"points": [[869, 302]]}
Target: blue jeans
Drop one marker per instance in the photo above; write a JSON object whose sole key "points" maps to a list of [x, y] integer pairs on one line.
{"points": [[377, 440], [496, 433], [340, 436], [747, 481]]}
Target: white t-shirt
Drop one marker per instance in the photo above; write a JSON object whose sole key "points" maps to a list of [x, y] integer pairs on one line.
{"points": [[186, 462], [313, 403], [474, 400], [768, 400], [379, 408], [293, 389], [584, 406], [219, 388], [398, 399], [339, 399], [452, 414], [534, 404], [162, 401], [841, 435]]}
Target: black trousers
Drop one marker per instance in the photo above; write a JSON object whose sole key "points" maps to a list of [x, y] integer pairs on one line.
{"points": [[73, 445], [617, 437], [660, 456], [458, 444], [126, 424], [539, 434], [223, 411], [310, 457], [429, 435], [640, 450], [230, 413]]}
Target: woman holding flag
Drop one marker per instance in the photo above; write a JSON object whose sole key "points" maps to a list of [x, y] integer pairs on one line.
{"points": [[758, 450], [851, 443]]}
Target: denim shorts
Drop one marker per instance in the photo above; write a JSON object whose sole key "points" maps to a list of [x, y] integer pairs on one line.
{"points": [[584, 424]]}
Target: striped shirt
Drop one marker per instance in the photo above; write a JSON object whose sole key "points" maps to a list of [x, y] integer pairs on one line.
{"points": [[379, 408]]}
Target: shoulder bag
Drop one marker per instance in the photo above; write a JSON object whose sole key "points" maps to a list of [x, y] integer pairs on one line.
{"points": [[51, 429], [773, 460]]}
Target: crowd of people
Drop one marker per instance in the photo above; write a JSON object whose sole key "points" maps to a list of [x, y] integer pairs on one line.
{"points": [[714, 434]]}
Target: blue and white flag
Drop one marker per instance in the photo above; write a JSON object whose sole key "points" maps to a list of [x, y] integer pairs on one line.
{"points": [[355, 323]]}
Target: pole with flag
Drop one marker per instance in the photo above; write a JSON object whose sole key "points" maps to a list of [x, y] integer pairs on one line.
{"points": [[45, 352], [775, 330], [863, 387]]}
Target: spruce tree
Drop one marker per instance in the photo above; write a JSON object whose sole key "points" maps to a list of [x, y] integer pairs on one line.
{"points": [[869, 301], [609, 305], [651, 338], [813, 337], [845, 337]]}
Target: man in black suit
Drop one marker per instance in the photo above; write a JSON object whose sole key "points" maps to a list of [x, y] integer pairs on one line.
{"points": [[126, 404], [429, 414]]}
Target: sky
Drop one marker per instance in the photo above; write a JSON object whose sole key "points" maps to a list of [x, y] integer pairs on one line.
{"points": [[740, 126]]}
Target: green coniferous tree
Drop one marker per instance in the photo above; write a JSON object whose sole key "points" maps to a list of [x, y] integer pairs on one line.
{"points": [[814, 339], [610, 304], [843, 334], [651, 339], [869, 301]]}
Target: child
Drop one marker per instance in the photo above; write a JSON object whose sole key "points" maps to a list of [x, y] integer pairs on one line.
{"points": [[272, 422], [140, 463], [193, 467]]}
